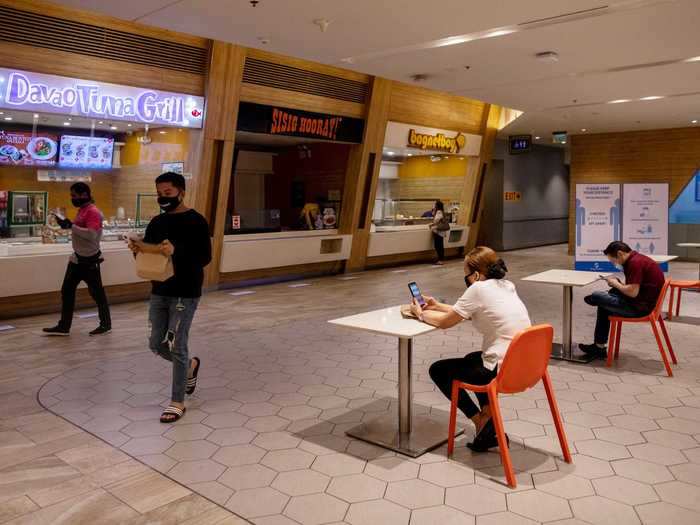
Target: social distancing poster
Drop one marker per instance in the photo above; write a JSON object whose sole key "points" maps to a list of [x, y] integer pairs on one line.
{"points": [[634, 213]]}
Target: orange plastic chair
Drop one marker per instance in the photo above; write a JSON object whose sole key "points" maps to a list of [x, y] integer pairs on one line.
{"points": [[523, 367], [680, 285], [653, 318]]}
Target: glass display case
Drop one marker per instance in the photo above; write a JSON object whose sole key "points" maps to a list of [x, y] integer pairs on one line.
{"points": [[146, 208], [27, 208]]}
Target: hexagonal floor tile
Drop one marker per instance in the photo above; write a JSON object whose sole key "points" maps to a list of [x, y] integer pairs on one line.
{"points": [[276, 440], [301, 482], [231, 436], [338, 465], [441, 515], [356, 487], [252, 503], [475, 499], [247, 477], [187, 472], [415, 493], [509, 518], [641, 470], [316, 509], [267, 424], [657, 454], [625, 490], [447, 474], [376, 512], [563, 485], [679, 493], [225, 420], [192, 450], [662, 513], [539, 506], [188, 432], [239, 455], [602, 511], [602, 449], [288, 459], [392, 469]]}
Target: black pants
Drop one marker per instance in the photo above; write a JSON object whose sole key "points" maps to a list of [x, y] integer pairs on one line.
{"points": [[90, 273], [439, 242], [468, 369]]}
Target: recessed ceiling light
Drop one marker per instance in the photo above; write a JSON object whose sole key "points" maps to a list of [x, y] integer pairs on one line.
{"points": [[66, 123], [128, 125], [70, 118], [390, 153], [162, 132], [693, 59], [694, 121], [113, 127], [410, 154], [8, 118], [538, 138], [653, 97], [2, 113], [100, 122], [36, 115], [619, 101], [584, 129]]}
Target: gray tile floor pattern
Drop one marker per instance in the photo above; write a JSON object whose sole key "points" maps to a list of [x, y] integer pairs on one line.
{"points": [[264, 435]]}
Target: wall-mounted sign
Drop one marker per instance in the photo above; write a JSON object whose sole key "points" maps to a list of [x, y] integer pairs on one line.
{"points": [[431, 140], [174, 167], [559, 137], [257, 118], [85, 152], [512, 196], [645, 217], [437, 141], [235, 222], [597, 214], [519, 144], [27, 91], [22, 148]]}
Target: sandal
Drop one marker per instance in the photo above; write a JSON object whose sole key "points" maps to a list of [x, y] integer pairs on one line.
{"points": [[192, 381], [172, 414]]}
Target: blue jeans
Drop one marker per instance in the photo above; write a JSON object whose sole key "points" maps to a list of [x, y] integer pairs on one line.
{"points": [[171, 318], [610, 303]]}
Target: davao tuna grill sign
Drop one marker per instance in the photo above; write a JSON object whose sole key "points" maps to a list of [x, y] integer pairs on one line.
{"points": [[287, 123]]}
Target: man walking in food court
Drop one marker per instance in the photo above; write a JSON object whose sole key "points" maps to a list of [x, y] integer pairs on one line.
{"points": [[182, 234], [84, 263], [635, 298]]}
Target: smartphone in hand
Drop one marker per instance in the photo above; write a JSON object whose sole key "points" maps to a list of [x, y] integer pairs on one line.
{"points": [[415, 293]]}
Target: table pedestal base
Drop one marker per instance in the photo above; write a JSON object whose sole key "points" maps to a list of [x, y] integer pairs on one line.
{"points": [[573, 356], [426, 435]]}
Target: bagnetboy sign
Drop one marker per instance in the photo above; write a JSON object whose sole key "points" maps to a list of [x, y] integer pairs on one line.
{"points": [[26, 91], [437, 141]]}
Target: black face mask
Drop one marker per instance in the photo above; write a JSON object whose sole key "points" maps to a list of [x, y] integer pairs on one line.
{"points": [[169, 203], [466, 279], [80, 201]]}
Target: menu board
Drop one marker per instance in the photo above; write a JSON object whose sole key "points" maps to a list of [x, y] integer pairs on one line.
{"points": [[85, 152], [22, 148]]}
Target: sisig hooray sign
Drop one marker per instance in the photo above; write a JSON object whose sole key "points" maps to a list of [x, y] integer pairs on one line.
{"points": [[25, 91]]}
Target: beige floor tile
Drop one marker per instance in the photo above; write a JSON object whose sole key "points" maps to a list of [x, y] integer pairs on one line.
{"points": [[302, 482], [539, 506], [338, 465], [664, 513], [356, 487], [475, 499], [682, 494], [602, 511], [643, 471], [563, 485], [625, 490], [316, 509], [147, 491], [447, 474], [289, 459], [392, 469], [253, 503], [440, 516], [375, 512], [247, 477], [504, 518], [15, 508]]}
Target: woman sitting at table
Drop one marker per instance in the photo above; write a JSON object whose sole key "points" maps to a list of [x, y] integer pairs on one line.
{"points": [[497, 312]]}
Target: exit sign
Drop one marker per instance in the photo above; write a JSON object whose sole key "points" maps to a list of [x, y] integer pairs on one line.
{"points": [[512, 196]]}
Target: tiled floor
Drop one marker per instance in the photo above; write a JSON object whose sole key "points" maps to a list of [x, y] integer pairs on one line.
{"points": [[264, 435]]}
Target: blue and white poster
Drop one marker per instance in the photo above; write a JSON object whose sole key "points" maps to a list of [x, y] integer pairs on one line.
{"points": [[645, 218], [598, 223]]}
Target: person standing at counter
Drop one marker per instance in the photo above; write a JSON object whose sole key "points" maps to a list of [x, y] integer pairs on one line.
{"points": [[439, 228], [84, 263], [182, 234]]}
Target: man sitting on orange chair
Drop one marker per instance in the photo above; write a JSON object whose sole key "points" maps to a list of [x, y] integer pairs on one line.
{"points": [[635, 298]]}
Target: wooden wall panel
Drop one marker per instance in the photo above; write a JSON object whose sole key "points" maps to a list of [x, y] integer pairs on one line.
{"points": [[79, 15], [55, 62], [425, 107], [303, 101], [666, 155], [306, 64]]}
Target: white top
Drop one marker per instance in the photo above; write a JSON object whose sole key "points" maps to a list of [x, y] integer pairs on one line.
{"points": [[387, 321], [565, 277], [662, 258], [437, 218], [497, 313]]}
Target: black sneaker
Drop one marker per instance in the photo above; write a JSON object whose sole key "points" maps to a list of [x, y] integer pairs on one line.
{"points": [[594, 350], [101, 330], [56, 330]]}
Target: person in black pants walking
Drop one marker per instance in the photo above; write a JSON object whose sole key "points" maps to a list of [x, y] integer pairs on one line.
{"points": [[437, 227], [84, 263]]}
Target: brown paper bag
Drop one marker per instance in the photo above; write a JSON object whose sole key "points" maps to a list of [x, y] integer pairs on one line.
{"points": [[154, 266]]}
